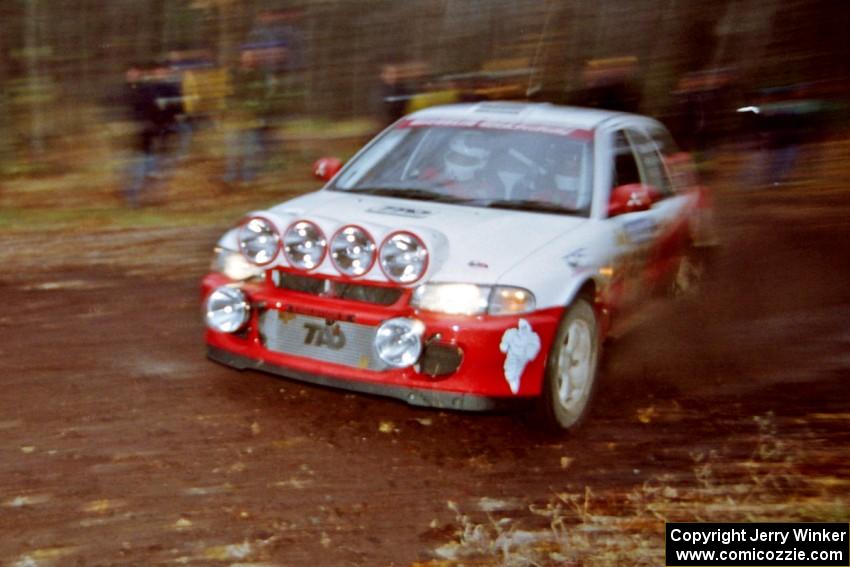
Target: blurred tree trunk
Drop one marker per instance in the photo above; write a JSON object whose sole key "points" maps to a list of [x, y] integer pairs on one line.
{"points": [[5, 122], [225, 11], [34, 78]]}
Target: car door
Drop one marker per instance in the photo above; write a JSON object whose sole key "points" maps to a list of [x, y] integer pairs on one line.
{"points": [[668, 212], [633, 220]]}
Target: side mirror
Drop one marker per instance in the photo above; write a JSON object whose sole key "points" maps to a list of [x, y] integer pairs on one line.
{"points": [[325, 168], [631, 198]]}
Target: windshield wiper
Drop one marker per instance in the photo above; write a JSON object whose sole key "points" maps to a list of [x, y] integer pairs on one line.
{"points": [[528, 205], [417, 194]]}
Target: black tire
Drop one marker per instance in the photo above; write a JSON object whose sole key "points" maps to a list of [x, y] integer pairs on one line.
{"points": [[567, 409]]}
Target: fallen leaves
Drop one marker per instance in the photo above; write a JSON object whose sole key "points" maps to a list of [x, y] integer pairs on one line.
{"points": [[667, 412], [102, 506], [41, 556], [228, 552], [487, 504], [647, 415], [207, 490], [27, 500], [295, 483], [182, 524], [288, 442]]}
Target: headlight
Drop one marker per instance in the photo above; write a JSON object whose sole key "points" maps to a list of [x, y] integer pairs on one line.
{"points": [[227, 310], [455, 299], [398, 341], [470, 299], [305, 245], [352, 251], [404, 257], [259, 241], [234, 265]]}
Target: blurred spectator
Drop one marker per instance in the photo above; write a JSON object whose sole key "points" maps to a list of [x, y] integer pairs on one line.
{"points": [[784, 118], [704, 109], [609, 84], [255, 103], [155, 103], [434, 92], [201, 86], [276, 31], [262, 92], [394, 94], [503, 79]]}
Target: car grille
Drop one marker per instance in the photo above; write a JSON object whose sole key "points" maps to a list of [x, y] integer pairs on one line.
{"points": [[339, 342], [325, 287]]}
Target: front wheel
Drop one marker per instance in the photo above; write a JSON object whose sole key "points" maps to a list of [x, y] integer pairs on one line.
{"points": [[572, 367]]}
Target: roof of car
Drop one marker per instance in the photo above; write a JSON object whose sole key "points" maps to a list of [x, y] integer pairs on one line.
{"points": [[525, 113]]}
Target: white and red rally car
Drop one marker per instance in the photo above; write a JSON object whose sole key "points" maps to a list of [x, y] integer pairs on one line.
{"points": [[468, 254]]}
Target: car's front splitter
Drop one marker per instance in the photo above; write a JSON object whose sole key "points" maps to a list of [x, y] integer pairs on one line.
{"points": [[411, 395]]}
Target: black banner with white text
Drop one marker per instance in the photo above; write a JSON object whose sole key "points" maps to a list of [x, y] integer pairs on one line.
{"points": [[757, 544]]}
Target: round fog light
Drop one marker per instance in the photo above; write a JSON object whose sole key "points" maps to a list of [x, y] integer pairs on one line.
{"points": [[398, 342], [227, 310]]}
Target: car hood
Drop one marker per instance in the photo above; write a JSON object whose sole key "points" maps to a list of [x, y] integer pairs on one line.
{"points": [[466, 244]]}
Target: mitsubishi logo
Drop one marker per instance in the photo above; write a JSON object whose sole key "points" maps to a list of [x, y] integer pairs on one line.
{"points": [[322, 168], [634, 200]]}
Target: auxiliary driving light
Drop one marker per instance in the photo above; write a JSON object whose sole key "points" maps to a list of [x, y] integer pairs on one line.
{"points": [[404, 257], [259, 241], [227, 310], [305, 245], [352, 251], [398, 341]]}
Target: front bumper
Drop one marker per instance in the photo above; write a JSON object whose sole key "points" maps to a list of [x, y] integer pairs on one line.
{"points": [[479, 382], [411, 395]]}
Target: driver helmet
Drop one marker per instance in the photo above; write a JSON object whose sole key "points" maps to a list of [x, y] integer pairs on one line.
{"points": [[466, 157], [568, 172]]}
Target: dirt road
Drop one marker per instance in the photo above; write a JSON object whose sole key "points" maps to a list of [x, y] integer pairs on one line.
{"points": [[122, 445]]}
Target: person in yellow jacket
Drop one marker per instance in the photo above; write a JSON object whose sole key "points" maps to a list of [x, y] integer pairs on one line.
{"points": [[203, 88]]}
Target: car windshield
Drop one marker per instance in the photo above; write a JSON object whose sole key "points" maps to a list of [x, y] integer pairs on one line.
{"points": [[525, 168]]}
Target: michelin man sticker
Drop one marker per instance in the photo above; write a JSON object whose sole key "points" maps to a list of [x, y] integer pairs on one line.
{"points": [[521, 346]]}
